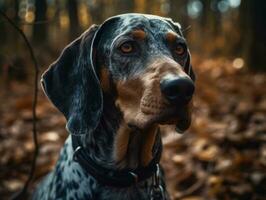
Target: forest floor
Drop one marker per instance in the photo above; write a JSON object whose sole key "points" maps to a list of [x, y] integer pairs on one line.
{"points": [[222, 156]]}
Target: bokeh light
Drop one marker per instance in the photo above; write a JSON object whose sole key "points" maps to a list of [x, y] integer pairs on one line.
{"points": [[194, 8], [223, 6], [238, 63], [234, 3]]}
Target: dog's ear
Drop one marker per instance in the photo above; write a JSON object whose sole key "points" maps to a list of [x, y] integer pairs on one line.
{"points": [[188, 66], [72, 85]]}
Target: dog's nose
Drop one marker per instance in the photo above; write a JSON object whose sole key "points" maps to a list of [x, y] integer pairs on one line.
{"points": [[177, 89]]}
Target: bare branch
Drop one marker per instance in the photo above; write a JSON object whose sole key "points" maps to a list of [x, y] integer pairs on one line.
{"points": [[23, 193]]}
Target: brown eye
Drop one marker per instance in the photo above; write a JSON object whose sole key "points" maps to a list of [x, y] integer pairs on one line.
{"points": [[180, 49], [126, 47]]}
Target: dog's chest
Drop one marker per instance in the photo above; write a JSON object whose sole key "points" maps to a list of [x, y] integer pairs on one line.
{"points": [[69, 181]]}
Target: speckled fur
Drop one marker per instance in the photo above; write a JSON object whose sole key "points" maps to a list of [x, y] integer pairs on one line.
{"points": [[68, 180]]}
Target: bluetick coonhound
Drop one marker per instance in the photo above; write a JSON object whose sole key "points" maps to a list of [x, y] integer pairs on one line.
{"points": [[115, 85]]}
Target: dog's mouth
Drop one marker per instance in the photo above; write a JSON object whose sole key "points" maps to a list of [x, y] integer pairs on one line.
{"points": [[163, 114]]}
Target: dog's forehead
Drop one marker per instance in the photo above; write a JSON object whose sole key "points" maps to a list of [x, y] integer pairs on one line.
{"points": [[151, 22]]}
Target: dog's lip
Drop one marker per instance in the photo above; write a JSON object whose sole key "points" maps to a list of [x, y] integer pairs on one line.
{"points": [[167, 115], [178, 115], [165, 111]]}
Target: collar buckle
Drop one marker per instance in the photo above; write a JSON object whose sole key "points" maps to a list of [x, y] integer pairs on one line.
{"points": [[109, 177], [135, 176]]}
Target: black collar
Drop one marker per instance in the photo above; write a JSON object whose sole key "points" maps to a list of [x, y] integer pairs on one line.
{"points": [[116, 178]]}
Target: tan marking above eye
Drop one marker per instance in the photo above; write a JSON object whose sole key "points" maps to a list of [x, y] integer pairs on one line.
{"points": [[138, 34], [171, 36]]}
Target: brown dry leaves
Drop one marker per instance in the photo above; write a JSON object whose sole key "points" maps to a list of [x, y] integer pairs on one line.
{"points": [[16, 144], [222, 156]]}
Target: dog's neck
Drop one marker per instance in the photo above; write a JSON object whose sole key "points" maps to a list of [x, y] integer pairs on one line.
{"points": [[116, 145], [134, 148]]}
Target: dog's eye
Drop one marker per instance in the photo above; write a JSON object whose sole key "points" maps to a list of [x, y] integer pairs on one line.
{"points": [[127, 47], [180, 49]]}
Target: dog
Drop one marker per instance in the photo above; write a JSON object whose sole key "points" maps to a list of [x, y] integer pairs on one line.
{"points": [[116, 84]]}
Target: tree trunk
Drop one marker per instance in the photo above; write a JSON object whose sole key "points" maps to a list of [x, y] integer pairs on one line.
{"points": [[211, 19], [97, 11], [252, 14], [3, 26], [74, 29], [122, 6], [40, 29]]}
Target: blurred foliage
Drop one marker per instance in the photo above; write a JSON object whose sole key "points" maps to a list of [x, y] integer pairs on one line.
{"points": [[222, 156], [213, 28]]}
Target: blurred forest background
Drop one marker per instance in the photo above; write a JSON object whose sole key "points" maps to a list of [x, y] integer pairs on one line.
{"points": [[223, 154]]}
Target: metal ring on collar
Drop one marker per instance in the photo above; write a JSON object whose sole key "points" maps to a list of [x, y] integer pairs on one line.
{"points": [[74, 157]]}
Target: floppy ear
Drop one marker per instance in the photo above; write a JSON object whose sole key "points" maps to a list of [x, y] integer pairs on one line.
{"points": [[188, 66], [73, 87]]}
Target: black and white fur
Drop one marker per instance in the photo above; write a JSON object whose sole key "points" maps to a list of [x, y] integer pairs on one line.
{"points": [[72, 85]]}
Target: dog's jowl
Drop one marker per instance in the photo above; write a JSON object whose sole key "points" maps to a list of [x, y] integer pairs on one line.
{"points": [[115, 85]]}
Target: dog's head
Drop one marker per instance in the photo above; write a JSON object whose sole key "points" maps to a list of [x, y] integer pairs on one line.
{"points": [[143, 60]]}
